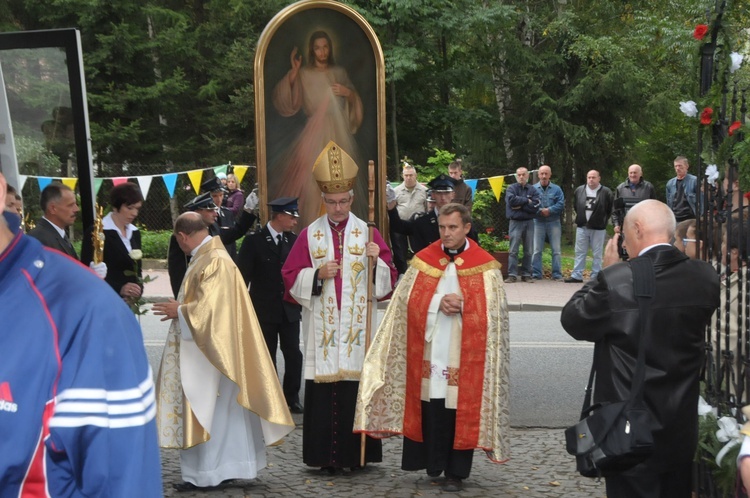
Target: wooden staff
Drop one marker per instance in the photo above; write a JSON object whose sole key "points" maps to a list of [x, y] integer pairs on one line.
{"points": [[370, 279]]}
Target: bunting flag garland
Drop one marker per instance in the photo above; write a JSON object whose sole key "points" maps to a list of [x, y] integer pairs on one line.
{"points": [[473, 185], [195, 179], [43, 182], [239, 172], [98, 184], [145, 184], [496, 182], [170, 180], [220, 169], [70, 183]]}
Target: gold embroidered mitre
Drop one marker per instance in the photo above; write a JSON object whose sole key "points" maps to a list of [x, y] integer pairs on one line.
{"points": [[335, 170]]}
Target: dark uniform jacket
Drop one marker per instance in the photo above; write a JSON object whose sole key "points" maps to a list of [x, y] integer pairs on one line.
{"points": [[116, 256], [422, 231], [177, 261], [45, 233], [605, 311], [260, 261]]}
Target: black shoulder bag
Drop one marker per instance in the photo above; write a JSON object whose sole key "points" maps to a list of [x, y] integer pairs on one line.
{"points": [[614, 437]]}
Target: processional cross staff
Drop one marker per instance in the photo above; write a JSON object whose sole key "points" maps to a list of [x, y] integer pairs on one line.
{"points": [[370, 280]]}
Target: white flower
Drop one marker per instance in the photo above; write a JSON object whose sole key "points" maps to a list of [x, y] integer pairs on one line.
{"points": [[712, 174], [689, 108], [136, 254], [729, 432], [736, 61], [704, 408]]}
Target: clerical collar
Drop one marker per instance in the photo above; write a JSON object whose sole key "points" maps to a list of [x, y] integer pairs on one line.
{"points": [[205, 241], [340, 224], [452, 253]]}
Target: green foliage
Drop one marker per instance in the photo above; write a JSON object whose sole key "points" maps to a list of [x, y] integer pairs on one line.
{"points": [[436, 164], [490, 243], [481, 209], [709, 446], [155, 244]]}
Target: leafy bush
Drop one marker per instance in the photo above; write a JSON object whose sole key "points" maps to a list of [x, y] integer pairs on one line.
{"points": [[490, 243], [155, 243]]}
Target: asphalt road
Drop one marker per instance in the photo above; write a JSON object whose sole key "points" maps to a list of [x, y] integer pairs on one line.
{"points": [[549, 369]]}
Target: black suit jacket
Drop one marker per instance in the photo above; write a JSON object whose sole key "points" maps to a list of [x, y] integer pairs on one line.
{"points": [[177, 261], [606, 311], [422, 231], [45, 233], [260, 261], [116, 256]]}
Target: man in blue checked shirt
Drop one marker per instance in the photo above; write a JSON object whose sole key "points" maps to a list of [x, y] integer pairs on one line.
{"points": [[547, 224]]}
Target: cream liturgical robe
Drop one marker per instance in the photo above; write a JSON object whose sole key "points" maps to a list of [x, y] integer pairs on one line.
{"points": [[216, 364], [335, 336]]}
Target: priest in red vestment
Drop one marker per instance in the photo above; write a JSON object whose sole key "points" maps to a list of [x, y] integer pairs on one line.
{"points": [[325, 272], [438, 368]]}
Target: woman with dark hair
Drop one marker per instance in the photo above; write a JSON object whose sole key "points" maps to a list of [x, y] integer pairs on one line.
{"points": [[334, 111], [122, 242]]}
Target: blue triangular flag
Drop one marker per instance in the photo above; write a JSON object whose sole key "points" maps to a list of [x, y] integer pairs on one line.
{"points": [[170, 180], [43, 182], [473, 185]]}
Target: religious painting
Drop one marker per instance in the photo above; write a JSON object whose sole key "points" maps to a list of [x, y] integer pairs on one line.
{"points": [[319, 76]]}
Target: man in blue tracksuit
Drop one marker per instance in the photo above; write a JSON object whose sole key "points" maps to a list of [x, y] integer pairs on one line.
{"points": [[547, 224], [76, 392], [521, 207]]}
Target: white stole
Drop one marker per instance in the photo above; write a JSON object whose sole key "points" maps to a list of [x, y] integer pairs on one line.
{"points": [[339, 334]]}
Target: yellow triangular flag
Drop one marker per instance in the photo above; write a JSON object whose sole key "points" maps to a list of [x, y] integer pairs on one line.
{"points": [[70, 183], [239, 172], [195, 179], [496, 182]]}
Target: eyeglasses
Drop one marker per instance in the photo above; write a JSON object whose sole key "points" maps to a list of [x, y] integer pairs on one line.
{"points": [[341, 203], [685, 241]]}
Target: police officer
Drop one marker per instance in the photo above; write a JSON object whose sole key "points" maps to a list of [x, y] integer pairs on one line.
{"points": [[177, 260], [260, 260], [423, 231]]}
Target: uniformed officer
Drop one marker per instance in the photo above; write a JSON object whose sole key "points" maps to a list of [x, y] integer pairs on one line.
{"points": [[204, 205], [423, 230], [260, 260]]}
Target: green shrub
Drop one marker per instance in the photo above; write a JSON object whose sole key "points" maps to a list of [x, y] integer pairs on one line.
{"points": [[155, 243]]}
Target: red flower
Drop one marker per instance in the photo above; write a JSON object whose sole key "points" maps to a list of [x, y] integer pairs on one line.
{"points": [[489, 229], [706, 115], [700, 31], [734, 127]]}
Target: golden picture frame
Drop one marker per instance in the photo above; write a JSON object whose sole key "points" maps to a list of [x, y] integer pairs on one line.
{"points": [[335, 95]]}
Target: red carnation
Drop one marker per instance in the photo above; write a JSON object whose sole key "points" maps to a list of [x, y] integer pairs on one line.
{"points": [[700, 31], [706, 115], [734, 127]]}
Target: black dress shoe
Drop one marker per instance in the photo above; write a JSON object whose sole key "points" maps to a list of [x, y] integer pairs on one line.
{"points": [[296, 408], [571, 280], [453, 485]]}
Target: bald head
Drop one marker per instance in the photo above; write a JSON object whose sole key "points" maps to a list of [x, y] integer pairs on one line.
{"points": [[190, 230], [647, 223], [635, 173]]}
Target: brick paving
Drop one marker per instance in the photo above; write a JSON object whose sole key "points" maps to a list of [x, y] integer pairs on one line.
{"points": [[539, 466]]}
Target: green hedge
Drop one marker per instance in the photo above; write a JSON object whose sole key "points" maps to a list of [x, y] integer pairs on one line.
{"points": [[154, 243]]}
